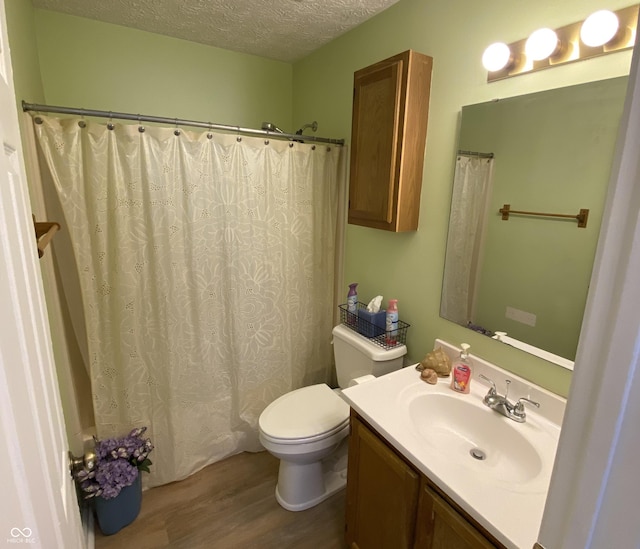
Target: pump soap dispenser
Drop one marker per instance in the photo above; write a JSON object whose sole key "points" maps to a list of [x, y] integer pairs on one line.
{"points": [[461, 371]]}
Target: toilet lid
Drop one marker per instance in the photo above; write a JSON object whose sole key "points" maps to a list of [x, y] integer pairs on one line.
{"points": [[304, 413]]}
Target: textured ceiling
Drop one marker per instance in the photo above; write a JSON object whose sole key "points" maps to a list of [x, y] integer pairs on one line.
{"points": [[286, 30]]}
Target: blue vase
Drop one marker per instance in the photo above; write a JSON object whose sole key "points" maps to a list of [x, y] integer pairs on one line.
{"points": [[116, 513]]}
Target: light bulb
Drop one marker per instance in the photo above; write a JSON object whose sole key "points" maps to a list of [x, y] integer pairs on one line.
{"points": [[541, 44], [599, 28], [496, 57]]}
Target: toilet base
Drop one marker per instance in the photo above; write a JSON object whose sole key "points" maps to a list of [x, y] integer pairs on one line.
{"points": [[302, 486]]}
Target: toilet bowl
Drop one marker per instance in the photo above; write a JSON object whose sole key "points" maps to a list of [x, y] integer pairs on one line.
{"points": [[307, 429], [302, 429]]}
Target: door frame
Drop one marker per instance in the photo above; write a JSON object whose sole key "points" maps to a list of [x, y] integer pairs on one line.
{"points": [[38, 506]]}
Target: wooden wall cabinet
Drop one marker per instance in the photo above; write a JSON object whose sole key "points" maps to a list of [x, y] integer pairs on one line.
{"points": [[391, 505], [389, 129]]}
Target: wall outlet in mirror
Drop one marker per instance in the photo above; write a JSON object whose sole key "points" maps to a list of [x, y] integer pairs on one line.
{"points": [[521, 316]]}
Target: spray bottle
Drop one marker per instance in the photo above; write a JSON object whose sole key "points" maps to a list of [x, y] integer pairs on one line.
{"points": [[391, 337], [352, 299]]}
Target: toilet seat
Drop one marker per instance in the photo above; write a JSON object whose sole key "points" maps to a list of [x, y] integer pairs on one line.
{"points": [[305, 415], [307, 440]]}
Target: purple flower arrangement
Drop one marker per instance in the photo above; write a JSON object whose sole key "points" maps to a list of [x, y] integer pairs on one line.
{"points": [[118, 464]]}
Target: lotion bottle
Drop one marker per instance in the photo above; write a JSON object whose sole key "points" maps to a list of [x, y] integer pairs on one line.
{"points": [[461, 371]]}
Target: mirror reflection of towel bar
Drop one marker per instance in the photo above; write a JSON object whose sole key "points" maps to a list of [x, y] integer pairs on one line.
{"points": [[580, 217]]}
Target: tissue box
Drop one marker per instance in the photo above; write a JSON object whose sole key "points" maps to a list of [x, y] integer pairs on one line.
{"points": [[371, 324]]}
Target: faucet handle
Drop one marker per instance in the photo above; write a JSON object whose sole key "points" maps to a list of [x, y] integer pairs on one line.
{"points": [[519, 408], [492, 390]]}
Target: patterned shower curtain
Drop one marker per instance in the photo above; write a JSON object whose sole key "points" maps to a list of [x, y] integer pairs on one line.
{"points": [[471, 191], [206, 265]]}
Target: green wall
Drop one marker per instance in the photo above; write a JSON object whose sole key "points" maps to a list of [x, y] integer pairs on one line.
{"points": [[455, 33], [553, 152], [24, 52], [98, 65]]}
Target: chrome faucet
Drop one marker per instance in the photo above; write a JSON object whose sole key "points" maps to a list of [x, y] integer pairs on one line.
{"points": [[502, 405]]}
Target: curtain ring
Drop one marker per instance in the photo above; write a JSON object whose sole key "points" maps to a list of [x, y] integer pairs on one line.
{"points": [[266, 141], [328, 149], [209, 134], [290, 145], [140, 126], [313, 147], [238, 138], [176, 132], [110, 125], [38, 120]]}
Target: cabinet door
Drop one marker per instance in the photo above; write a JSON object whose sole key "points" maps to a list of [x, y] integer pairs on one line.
{"points": [[440, 526], [389, 128], [382, 494], [373, 192]]}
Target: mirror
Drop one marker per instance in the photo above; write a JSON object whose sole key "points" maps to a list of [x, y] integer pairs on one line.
{"points": [[548, 153]]}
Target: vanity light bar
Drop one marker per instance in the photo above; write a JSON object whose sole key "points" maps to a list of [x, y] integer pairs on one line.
{"points": [[568, 48]]}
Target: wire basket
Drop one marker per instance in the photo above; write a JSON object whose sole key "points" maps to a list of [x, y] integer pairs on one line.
{"points": [[387, 339]]}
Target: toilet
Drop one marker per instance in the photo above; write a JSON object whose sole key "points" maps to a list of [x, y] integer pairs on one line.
{"points": [[307, 429]]}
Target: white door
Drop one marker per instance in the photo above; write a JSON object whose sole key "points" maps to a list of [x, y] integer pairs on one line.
{"points": [[594, 496], [37, 500]]}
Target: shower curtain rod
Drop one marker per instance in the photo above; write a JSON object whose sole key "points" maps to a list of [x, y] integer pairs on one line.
{"points": [[176, 121]]}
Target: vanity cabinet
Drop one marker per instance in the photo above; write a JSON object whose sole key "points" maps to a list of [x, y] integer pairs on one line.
{"points": [[389, 128], [439, 525], [382, 493], [391, 505]]}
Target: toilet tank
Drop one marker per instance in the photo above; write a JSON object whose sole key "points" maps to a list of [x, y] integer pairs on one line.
{"points": [[357, 356]]}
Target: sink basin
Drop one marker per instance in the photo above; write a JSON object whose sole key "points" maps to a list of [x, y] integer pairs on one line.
{"points": [[472, 435]]}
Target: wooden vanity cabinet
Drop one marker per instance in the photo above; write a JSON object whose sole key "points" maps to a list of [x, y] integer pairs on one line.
{"points": [[389, 128], [391, 505], [440, 526], [382, 493]]}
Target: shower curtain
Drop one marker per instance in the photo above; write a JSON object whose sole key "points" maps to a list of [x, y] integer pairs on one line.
{"points": [[471, 193], [206, 266]]}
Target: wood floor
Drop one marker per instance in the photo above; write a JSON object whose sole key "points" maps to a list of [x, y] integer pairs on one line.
{"points": [[229, 504]]}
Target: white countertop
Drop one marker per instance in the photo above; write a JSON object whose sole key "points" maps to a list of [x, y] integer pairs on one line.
{"points": [[506, 503]]}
